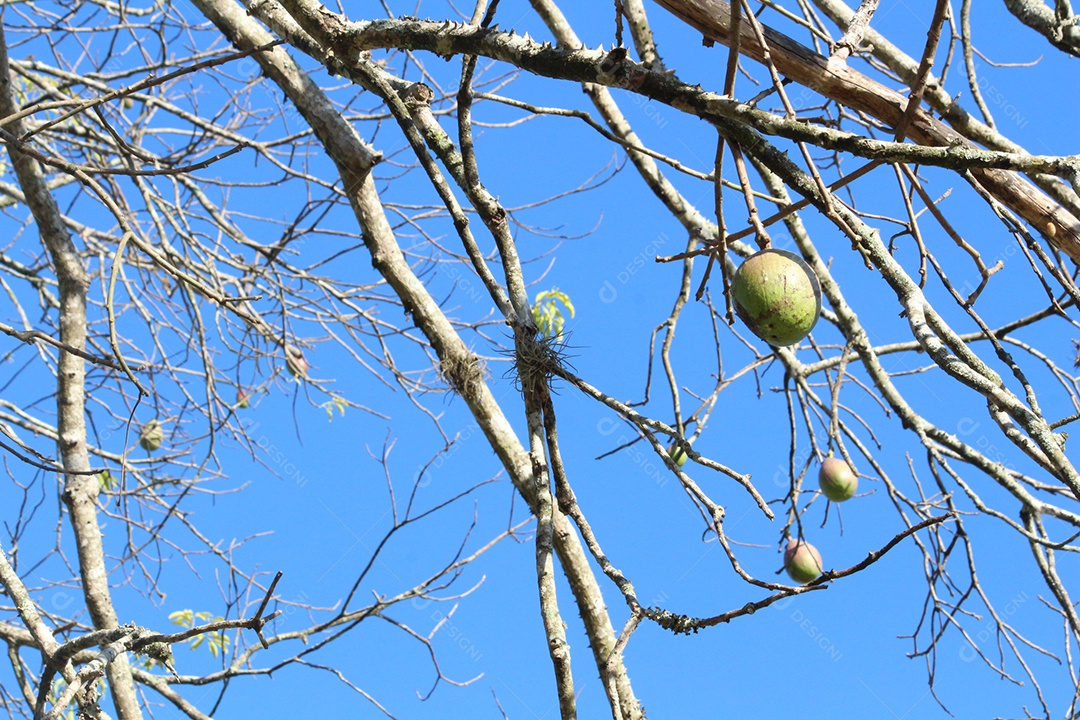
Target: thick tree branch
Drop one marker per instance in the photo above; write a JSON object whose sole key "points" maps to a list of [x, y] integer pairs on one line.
{"points": [[459, 364], [80, 489], [938, 143], [1061, 32]]}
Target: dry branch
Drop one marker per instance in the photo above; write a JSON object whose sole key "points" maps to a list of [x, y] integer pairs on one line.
{"points": [[834, 79]]}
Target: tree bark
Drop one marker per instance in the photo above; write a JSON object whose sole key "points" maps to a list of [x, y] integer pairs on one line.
{"points": [[80, 489], [1061, 32], [836, 81], [354, 161]]}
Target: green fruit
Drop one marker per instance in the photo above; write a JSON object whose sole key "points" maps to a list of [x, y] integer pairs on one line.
{"points": [[802, 561], [778, 296], [151, 435], [243, 399], [837, 480], [295, 362], [677, 455]]}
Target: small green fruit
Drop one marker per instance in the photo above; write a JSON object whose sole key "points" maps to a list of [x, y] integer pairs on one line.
{"points": [[837, 480], [151, 436], [243, 399], [676, 454], [295, 362], [778, 296], [802, 561]]}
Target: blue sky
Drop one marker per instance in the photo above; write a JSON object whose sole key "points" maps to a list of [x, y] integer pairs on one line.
{"points": [[324, 508]]}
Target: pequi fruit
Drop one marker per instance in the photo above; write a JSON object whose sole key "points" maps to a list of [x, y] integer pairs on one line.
{"points": [[151, 435], [677, 455], [295, 362], [802, 561], [837, 480], [778, 296]]}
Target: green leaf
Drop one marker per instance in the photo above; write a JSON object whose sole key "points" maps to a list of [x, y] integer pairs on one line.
{"points": [[331, 404], [547, 314], [216, 642]]}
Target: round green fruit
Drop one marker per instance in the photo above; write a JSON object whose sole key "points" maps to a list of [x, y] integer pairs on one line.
{"points": [[295, 362], [676, 453], [778, 296], [151, 436], [802, 561], [837, 480]]}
